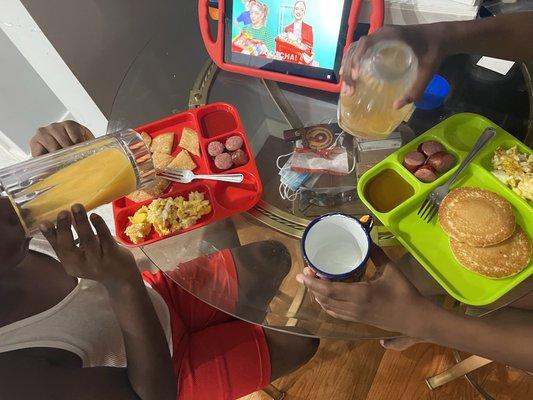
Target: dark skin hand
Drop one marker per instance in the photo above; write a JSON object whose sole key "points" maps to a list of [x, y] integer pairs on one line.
{"points": [[58, 136], [98, 257], [389, 301], [502, 37]]}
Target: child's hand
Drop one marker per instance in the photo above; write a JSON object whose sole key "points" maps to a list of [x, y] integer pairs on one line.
{"points": [[389, 301], [58, 136], [427, 42], [98, 257]]}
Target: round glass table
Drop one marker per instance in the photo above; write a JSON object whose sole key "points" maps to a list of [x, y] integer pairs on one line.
{"points": [[246, 265]]}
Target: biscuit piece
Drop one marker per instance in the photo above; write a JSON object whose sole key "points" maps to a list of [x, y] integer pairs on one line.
{"points": [[477, 217], [189, 141], [163, 143], [156, 189], [182, 161], [502, 260], [161, 160]]}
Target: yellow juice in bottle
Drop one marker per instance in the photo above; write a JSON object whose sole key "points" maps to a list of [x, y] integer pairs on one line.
{"points": [[385, 72], [91, 173], [92, 181]]}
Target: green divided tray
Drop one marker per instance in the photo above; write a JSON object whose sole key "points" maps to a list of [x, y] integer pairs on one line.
{"points": [[426, 241]]}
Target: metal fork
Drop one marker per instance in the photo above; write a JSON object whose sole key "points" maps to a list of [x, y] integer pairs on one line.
{"points": [[184, 176], [431, 205]]}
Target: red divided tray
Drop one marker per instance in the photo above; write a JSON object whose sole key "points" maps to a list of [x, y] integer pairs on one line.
{"points": [[217, 121]]}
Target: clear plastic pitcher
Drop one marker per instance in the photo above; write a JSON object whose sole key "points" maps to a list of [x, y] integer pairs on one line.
{"points": [[386, 71], [92, 173]]}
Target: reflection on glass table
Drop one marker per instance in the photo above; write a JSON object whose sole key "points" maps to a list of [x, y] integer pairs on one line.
{"points": [[254, 282]]}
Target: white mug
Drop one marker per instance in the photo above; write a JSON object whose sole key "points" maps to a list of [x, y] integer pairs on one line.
{"points": [[337, 246]]}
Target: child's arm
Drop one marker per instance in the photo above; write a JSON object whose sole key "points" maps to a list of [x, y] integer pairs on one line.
{"points": [[392, 303], [100, 258], [506, 36]]}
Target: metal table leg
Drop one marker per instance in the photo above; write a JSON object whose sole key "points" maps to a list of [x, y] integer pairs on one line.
{"points": [[458, 370]]}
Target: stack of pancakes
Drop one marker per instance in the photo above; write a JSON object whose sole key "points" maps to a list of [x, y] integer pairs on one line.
{"points": [[484, 235]]}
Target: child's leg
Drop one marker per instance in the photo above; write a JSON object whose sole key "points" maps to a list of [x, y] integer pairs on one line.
{"points": [[261, 268], [206, 277], [231, 360], [288, 352], [217, 357], [241, 281]]}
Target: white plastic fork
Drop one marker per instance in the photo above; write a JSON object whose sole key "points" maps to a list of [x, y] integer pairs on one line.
{"points": [[431, 204], [184, 176]]}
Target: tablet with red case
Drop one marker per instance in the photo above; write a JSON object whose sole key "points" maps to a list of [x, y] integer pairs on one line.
{"points": [[290, 41]]}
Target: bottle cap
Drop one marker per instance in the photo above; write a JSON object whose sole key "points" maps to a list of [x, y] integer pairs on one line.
{"points": [[435, 94]]}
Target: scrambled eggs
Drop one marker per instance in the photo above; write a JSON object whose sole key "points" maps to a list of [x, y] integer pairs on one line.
{"points": [[515, 169], [167, 216]]}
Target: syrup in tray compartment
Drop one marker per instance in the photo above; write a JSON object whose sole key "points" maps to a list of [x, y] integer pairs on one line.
{"points": [[388, 190]]}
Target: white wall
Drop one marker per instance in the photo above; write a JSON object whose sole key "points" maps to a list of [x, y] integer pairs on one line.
{"points": [[99, 39], [26, 102], [37, 86]]}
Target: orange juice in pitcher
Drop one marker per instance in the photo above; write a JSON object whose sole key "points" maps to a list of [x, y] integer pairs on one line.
{"points": [[92, 173]]}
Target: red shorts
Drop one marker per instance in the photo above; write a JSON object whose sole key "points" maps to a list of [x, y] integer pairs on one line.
{"points": [[215, 356]]}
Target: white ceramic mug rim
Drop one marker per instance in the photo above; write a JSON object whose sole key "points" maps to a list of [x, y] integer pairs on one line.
{"points": [[329, 274]]}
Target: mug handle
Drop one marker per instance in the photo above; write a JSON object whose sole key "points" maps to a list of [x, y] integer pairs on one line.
{"points": [[367, 221]]}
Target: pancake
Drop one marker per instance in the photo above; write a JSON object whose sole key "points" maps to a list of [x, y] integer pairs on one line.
{"points": [[477, 217], [499, 261]]}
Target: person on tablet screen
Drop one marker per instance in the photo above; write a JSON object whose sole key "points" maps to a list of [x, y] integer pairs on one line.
{"points": [[301, 32], [258, 30], [244, 17]]}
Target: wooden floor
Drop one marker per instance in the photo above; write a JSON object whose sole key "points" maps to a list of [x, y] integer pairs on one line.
{"points": [[365, 371]]}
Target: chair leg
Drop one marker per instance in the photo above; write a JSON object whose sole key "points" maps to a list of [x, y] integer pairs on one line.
{"points": [[274, 392], [458, 370], [295, 306], [271, 390]]}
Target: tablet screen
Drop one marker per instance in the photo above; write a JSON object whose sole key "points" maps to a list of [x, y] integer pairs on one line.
{"points": [[295, 37]]}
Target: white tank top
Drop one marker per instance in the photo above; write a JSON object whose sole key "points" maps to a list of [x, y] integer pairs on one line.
{"points": [[82, 323]]}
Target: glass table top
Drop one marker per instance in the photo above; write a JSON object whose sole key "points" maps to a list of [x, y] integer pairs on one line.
{"points": [[246, 265]]}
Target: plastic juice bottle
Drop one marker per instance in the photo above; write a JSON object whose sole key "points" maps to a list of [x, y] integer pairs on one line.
{"points": [[386, 71], [91, 173]]}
